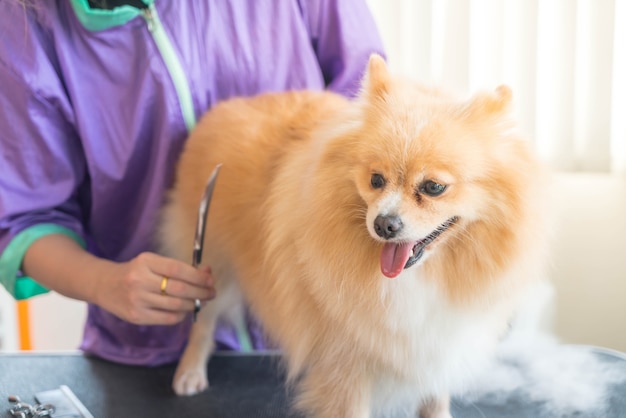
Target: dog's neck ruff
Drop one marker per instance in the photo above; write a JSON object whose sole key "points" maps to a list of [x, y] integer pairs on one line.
{"points": [[396, 257]]}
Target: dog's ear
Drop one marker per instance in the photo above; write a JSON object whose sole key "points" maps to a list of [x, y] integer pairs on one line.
{"points": [[376, 80], [492, 103]]}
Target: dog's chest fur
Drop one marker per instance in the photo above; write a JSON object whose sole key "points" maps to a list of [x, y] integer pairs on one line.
{"points": [[426, 345]]}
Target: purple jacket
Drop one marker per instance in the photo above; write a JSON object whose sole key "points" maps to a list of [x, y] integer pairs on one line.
{"points": [[95, 107]]}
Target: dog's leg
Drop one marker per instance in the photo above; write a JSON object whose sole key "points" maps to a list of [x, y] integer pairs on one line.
{"points": [[436, 407], [191, 374], [324, 394]]}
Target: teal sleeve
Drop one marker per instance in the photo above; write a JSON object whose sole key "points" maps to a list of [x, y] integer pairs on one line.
{"points": [[23, 287]]}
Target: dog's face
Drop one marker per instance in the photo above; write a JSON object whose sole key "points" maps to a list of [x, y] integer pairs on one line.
{"points": [[409, 212], [425, 167], [413, 205]]}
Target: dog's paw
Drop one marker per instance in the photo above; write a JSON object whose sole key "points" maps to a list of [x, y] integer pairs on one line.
{"points": [[190, 382]]}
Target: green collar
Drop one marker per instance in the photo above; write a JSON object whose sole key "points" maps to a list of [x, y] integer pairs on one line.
{"points": [[100, 19]]}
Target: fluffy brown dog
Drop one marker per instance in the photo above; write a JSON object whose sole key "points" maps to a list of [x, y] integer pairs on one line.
{"points": [[383, 242]]}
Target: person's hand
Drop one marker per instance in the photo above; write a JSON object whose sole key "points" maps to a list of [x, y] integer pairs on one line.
{"points": [[153, 290]]}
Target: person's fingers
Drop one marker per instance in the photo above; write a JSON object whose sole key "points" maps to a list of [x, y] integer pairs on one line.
{"points": [[160, 290], [174, 287], [172, 268], [170, 303], [150, 308]]}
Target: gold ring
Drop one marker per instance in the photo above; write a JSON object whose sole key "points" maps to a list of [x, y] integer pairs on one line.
{"points": [[164, 285]]}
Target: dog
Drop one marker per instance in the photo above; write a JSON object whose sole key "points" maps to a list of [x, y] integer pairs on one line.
{"points": [[382, 241]]}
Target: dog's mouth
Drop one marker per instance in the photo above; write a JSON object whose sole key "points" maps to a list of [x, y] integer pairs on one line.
{"points": [[396, 257]]}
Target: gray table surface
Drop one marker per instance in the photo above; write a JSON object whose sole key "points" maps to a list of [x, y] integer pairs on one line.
{"points": [[251, 386]]}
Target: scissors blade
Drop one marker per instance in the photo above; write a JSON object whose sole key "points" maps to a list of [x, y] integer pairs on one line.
{"points": [[203, 211]]}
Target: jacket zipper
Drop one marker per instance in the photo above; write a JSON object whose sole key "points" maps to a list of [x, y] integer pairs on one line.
{"points": [[172, 63]]}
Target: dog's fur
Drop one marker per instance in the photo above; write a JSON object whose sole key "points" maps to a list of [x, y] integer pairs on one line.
{"points": [[315, 194]]}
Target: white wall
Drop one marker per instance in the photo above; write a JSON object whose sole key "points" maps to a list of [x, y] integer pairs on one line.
{"points": [[589, 259]]}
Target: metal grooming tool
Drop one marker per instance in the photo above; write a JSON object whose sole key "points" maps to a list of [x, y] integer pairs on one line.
{"points": [[203, 211], [61, 403], [21, 409]]}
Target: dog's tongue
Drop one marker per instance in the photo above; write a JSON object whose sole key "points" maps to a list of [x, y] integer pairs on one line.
{"points": [[394, 257]]}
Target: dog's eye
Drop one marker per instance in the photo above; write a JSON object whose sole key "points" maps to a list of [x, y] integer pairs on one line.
{"points": [[377, 181], [432, 188]]}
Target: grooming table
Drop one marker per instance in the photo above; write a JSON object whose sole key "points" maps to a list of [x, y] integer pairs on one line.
{"points": [[242, 386]]}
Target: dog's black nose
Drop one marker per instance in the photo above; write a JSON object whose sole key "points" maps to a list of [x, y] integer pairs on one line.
{"points": [[387, 226]]}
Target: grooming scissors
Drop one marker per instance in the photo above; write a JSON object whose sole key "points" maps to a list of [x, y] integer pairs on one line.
{"points": [[203, 211]]}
